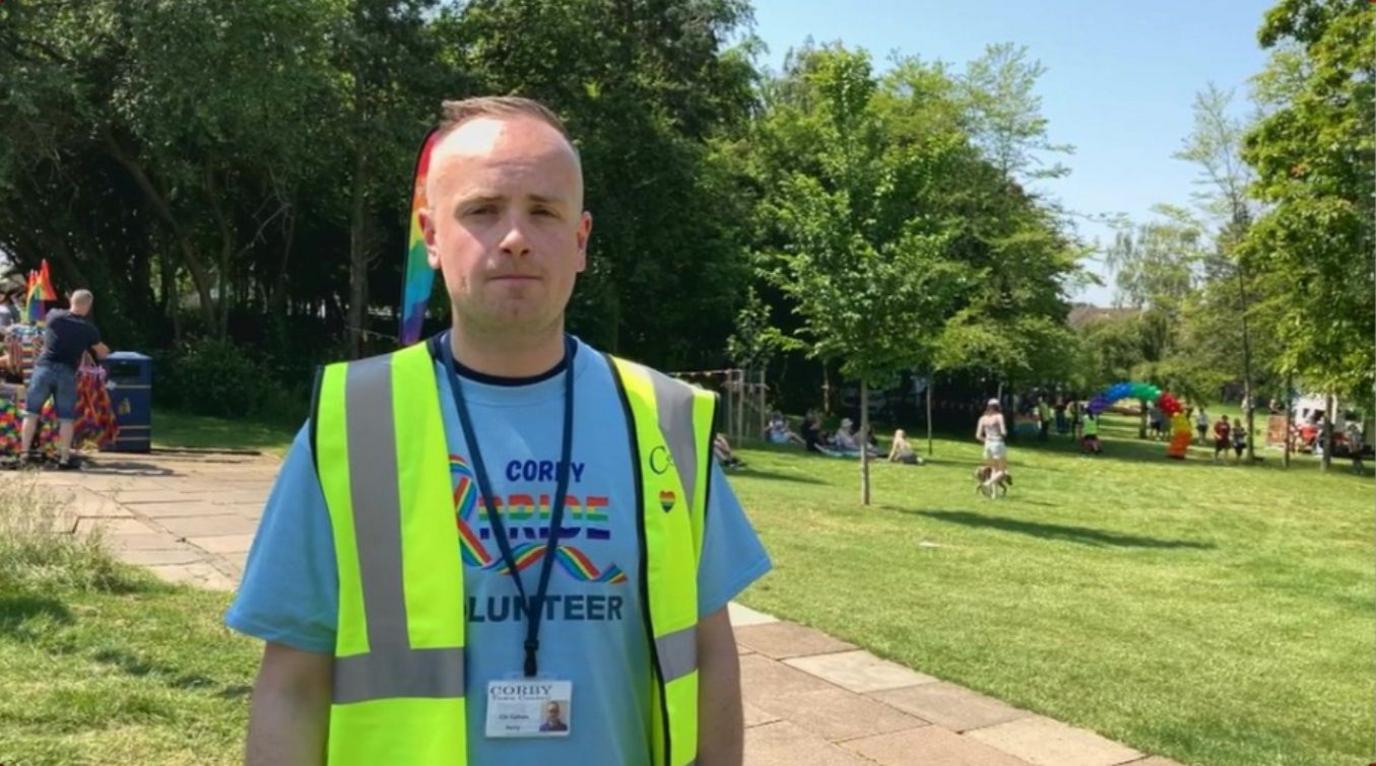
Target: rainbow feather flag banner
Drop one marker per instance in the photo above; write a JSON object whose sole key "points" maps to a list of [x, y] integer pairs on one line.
{"points": [[415, 288], [40, 289]]}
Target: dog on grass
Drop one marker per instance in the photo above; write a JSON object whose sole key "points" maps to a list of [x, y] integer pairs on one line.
{"points": [[992, 483]]}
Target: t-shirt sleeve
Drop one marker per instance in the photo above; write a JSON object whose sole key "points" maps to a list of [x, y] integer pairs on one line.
{"points": [[732, 556], [290, 590]]}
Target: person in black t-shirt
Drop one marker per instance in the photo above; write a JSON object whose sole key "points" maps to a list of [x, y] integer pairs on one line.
{"points": [[69, 334]]}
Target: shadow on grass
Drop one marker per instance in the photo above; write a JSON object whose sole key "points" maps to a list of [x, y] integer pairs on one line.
{"points": [[135, 666], [755, 473], [15, 611], [1081, 535]]}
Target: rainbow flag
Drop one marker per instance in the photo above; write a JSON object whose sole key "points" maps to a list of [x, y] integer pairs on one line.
{"points": [[419, 278], [40, 289]]}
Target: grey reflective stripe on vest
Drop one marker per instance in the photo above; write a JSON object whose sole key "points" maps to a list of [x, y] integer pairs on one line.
{"points": [[391, 668], [398, 672], [678, 653], [674, 401]]}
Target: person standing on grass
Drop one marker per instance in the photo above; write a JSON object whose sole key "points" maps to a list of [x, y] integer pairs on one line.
{"points": [[1043, 418], [993, 432], [501, 517], [1355, 445], [1090, 441], [1201, 424], [1221, 444], [67, 336], [1239, 435]]}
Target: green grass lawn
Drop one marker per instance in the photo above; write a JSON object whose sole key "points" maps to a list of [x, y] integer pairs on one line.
{"points": [[178, 429], [145, 674], [1220, 615]]}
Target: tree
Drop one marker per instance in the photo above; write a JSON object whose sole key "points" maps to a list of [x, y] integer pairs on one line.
{"points": [[862, 267], [1312, 152], [1228, 301], [1004, 112]]}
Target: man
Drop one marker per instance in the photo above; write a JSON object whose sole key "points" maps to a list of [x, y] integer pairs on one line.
{"points": [[386, 621], [553, 721], [1043, 419], [68, 335]]}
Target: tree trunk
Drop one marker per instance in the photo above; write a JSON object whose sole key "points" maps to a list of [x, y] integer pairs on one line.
{"points": [[358, 257], [864, 443], [826, 391], [1247, 364], [200, 275], [1328, 435], [930, 382], [1142, 423]]}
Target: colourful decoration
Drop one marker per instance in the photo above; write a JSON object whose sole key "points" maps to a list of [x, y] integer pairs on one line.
{"points": [[1180, 437], [420, 278], [40, 290], [1133, 390]]}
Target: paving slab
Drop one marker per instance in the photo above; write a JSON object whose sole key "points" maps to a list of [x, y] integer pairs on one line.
{"points": [[125, 543], [930, 746], [787, 744], [1045, 742], [223, 543], [954, 707], [209, 526], [859, 671], [836, 714], [763, 678], [742, 615], [84, 502], [142, 496], [781, 640], [185, 506], [757, 716], [114, 527], [199, 574]]}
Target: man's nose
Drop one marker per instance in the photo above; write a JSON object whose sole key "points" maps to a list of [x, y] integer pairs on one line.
{"points": [[514, 242]]}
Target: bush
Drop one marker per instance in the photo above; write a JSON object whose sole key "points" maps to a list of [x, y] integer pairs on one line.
{"points": [[221, 378], [38, 552]]}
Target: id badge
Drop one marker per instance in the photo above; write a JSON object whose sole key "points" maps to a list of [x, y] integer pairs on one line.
{"points": [[529, 707]]}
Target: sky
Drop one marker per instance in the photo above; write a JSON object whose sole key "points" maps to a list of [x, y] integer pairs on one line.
{"points": [[1119, 85]]}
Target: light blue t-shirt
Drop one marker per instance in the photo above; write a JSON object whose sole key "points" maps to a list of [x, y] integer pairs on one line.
{"points": [[593, 631]]}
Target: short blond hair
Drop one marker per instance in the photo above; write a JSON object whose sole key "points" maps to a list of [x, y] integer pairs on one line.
{"points": [[82, 299], [456, 113]]}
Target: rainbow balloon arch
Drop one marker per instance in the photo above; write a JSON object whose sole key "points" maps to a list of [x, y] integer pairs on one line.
{"points": [[1164, 400]]}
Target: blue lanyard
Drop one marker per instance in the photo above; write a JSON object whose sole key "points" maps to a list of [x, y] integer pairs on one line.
{"points": [[537, 606]]}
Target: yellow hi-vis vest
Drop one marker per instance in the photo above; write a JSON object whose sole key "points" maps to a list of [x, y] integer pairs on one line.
{"points": [[1091, 426], [382, 459]]}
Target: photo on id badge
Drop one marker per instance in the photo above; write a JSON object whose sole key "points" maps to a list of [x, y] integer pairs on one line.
{"points": [[529, 708]]}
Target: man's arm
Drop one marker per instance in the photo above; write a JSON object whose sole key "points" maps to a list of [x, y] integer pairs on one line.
{"points": [[289, 719], [721, 724], [100, 350]]}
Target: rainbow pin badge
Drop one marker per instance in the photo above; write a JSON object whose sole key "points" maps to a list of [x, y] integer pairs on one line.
{"points": [[667, 500]]}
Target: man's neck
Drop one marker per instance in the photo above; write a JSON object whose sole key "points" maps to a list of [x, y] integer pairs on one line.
{"points": [[508, 357]]}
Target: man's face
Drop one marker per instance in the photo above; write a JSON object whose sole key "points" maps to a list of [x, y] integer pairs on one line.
{"points": [[505, 224], [552, 712]]}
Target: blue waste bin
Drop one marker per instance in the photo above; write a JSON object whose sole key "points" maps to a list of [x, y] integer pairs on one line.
{"points": [[129, 379]]}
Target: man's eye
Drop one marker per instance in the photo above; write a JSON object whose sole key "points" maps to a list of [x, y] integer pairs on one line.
{"points": [[544, 211], [482, 210]]}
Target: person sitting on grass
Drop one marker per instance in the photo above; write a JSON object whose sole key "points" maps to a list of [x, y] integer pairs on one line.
{"points": [[1089, 442], [901, 451], [844, 442], [721, 448], [778, 432]]}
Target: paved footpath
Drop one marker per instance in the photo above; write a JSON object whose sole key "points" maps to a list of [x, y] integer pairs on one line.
{"points": [[809, 698]]}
